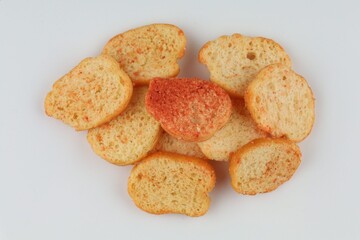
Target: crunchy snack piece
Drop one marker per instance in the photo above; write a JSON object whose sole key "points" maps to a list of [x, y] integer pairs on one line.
{"points": [[188, 108], [91, 94], [172, 183], [281, 103], [128, 137], [149, 51], [263, 165]]}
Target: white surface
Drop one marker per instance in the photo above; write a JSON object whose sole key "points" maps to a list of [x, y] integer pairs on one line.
{"points": [[52, 186]]}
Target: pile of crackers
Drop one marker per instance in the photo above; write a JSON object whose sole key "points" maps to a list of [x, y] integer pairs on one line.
{"points": [[252, 113]]}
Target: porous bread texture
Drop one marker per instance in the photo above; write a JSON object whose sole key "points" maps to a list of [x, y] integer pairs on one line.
{"points": [[130, 136], [263, 165], [189, 109], [234, 60], [92, 93], [172, 183], [238, 131], [281, 102], [168, 143], [149, 51]]}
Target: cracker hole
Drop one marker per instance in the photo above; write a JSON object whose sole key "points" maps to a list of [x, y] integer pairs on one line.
{"points": [[251, 56]]}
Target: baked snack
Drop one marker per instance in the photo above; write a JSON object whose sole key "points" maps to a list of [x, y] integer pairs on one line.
{"points": [[92, 93], [170, 128], [189, 109], [234, 60], [238, 131], [149, 51], [168, 143], [263, 165], [130, 136], [172, 183], [281, 102]]}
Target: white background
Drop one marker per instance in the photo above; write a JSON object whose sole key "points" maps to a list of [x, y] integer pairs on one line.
{"points": [[52, 186]]}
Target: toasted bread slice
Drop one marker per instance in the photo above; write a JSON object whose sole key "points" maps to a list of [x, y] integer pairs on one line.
{"points": [[263, 165], [149, 51], [238, 131], [172, 183], [130, 136], [91, 94], [281, 103], [189, 109], [168, 143], [234, 60]]}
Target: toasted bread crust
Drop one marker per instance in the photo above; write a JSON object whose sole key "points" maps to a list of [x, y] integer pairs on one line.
{"points": [[148, 51], [290, 104], [188, 108], [74, 98], [267, 177], [196, 165], [234, 60]]}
